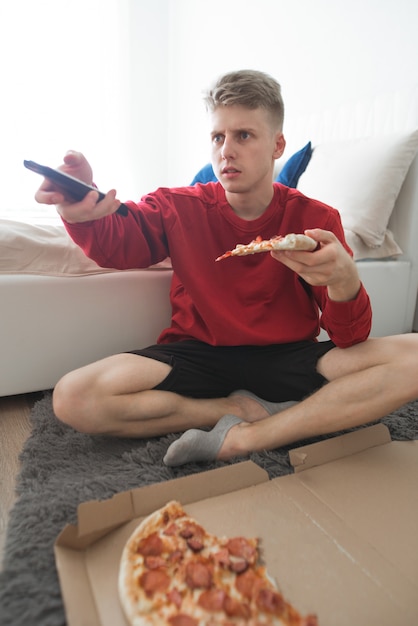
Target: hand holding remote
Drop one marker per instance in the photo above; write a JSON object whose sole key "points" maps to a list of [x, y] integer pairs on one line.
{"points": [[71, 187]]}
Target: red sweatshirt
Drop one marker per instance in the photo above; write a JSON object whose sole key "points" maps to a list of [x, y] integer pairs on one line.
{"points": [[252, 300]]}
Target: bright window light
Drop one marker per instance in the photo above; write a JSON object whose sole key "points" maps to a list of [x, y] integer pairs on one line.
{"points": [[63, 69]]}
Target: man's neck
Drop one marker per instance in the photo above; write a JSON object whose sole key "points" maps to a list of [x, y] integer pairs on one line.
{"points": [[249, 207]]}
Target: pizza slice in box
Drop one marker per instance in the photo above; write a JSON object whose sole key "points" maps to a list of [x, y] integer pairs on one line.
{"points": [[173, 572]]}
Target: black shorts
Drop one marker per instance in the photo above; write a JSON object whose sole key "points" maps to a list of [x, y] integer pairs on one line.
{"points": [[276, 373]]}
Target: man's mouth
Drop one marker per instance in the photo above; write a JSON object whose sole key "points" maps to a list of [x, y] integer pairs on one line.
{"points": [[230, 171]]}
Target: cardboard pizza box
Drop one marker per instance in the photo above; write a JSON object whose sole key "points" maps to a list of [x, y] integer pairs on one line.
{"points": [[340, 535]]}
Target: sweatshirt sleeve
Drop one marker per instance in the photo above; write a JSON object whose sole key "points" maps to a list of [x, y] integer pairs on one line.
{"points": [[137, 240], [347, 323]]}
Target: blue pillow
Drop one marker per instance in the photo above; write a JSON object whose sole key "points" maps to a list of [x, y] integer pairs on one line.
{"points": [[295, 166], [289, 175], [205, 175]]}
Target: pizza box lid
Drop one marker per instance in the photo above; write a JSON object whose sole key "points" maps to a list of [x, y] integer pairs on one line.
{"points": [[339, 535]]}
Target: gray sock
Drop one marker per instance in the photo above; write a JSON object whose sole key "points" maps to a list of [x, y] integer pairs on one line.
{"points": [[270, 407], [199, 445]]}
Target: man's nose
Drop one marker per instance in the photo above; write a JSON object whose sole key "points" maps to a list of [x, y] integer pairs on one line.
{"points": [[228, 150]]}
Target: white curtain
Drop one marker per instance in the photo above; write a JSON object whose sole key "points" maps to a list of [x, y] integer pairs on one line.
{"points": [[63, 78]]}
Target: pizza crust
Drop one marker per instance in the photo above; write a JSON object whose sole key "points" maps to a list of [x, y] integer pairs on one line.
{"points": [[294, 242], [130, 593]]}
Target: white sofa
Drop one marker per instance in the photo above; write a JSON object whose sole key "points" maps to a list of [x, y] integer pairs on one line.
{"points": [[53, 321]]}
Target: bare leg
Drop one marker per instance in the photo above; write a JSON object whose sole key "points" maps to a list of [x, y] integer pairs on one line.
{"points": [[366, 382], [115, 396]]}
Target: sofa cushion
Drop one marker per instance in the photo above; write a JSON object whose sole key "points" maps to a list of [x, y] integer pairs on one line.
{"points": [[362, 179], [295, 166], [388, 250], [205, 175], [288, 175]]}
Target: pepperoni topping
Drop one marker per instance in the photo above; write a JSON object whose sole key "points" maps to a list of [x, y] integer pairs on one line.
{"points": [[246, 583], [198, 575], [152, 545], [190, 529], [238, 565], [187, 531], [171, 529], [212, 599], [222, 557], [153, 581], [175, 557], [194, 536], [182, 620], [270, 601], [235, 608], [195, 544], [175, 597], [241, 547], [154, 562]]}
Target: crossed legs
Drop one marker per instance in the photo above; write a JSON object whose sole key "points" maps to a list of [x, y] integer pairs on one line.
{"points": [[365, 383], [116, 396]]}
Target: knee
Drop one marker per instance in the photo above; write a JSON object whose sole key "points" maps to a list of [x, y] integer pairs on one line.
{"points": [[412, 343], [404, 355], [71, 402], [407, 346]]}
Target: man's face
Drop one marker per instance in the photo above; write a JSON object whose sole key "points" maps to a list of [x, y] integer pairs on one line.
{"points": [[244, 148]]}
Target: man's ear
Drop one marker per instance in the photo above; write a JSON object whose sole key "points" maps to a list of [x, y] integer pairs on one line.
{"points": [[279, 146]]}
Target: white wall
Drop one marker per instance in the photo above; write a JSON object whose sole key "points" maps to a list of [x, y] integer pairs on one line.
{"points": [[323, 52], [147, 93], [63, 71], [132, 98]]}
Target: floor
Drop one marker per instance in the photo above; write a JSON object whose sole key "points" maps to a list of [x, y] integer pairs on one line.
{"points": [[14, 429]]}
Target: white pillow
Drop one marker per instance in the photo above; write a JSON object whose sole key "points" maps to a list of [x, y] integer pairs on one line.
{"points": [[361, 178], [388, 250]]}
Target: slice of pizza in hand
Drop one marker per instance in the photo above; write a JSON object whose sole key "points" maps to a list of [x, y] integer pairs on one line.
{"points": [[174, 573], [286, 242]]}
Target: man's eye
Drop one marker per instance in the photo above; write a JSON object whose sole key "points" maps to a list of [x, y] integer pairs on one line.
{"points": [[244, 134], [217, 139]]}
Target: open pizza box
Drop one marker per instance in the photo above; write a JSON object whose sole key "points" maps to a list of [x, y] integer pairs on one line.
{"points": [[339, 535]]}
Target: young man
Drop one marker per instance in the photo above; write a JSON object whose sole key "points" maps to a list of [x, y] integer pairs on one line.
{"points": [[246, 323]]}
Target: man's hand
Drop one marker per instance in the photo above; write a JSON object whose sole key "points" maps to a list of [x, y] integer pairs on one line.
{"points": [[75, 164], [330, 265]]}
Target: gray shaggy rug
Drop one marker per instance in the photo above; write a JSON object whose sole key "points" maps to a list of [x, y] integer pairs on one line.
{"points": [[61, 468]]}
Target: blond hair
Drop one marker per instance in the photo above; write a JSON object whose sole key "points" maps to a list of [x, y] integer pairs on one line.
{"points": [[248, 88]]}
